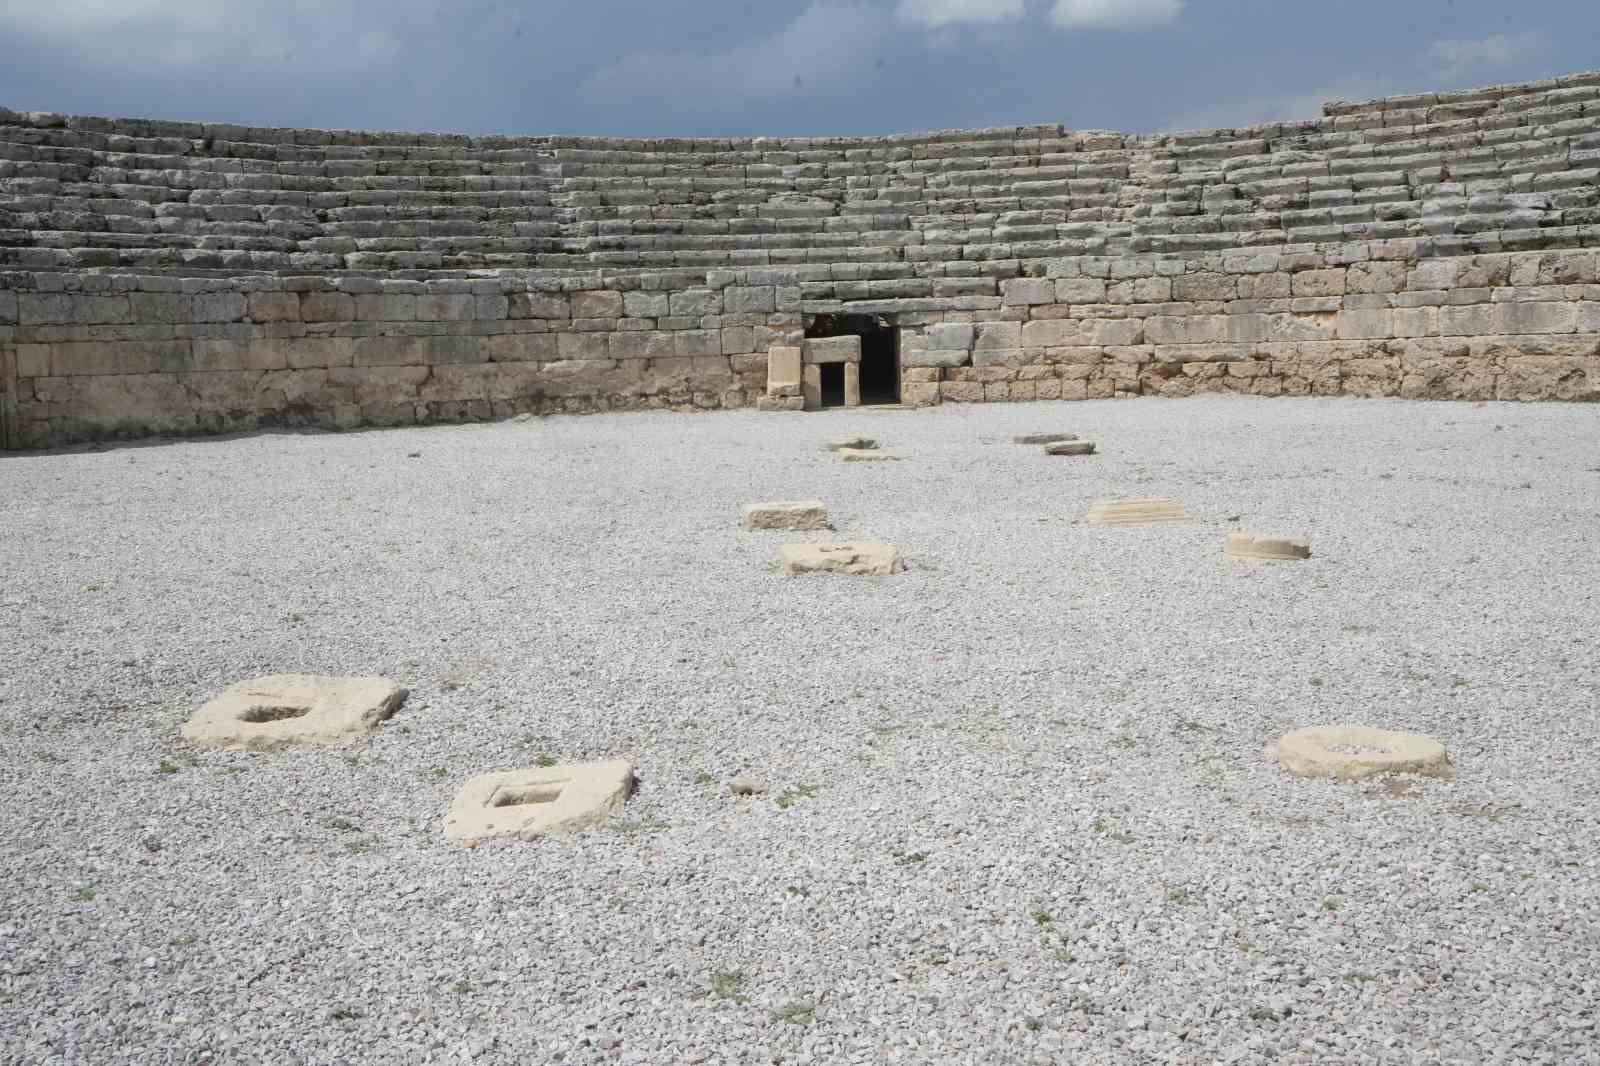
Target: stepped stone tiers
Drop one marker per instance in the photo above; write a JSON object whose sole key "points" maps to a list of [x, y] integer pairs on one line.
{"points": [[179, 277]]}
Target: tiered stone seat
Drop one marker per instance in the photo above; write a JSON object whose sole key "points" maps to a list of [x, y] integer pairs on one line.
{"points": [[96, 194]]}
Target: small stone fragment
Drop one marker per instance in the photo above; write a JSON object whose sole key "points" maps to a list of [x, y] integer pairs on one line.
{"points": [[861, 444], [1129, 512], [1249, 546], [1353, 752], [745, 785], [860, 455], [860, 557], [785, 514], [1070, 447], [1043, 438], [271, 712], [538, 800]]}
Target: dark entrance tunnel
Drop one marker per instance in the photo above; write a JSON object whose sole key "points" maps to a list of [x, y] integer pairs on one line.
{"points": [[880, 356]]}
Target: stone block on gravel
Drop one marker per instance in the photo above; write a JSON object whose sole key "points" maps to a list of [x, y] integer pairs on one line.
{"points": [[272, 712], [538, 801], [1249, 546], [785, 514], [862, 557], [864, 455], [1350, 753], [1131, 512], [1070, 447], [839, 444], [1043, 438]]}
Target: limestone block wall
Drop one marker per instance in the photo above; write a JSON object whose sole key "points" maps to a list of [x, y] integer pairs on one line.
{"points": [[175, 277]]}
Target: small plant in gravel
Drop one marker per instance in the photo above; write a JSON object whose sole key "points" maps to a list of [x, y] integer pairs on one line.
{"points": [[728, 984], [909, 858], [183, 940], [1123, 742], [1265, 1014], [437, 773], [342, 825], [796, 890], [84, 893], [462, 987], [796, 1012], [360, 847], [794, 794], [167, 766], [1180, 896], [702, 778], [344, 1014], [1040, 916], [1330, 904], [543, 759]]}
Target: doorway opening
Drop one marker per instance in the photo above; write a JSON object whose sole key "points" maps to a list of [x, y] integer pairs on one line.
{"points": [[880, 354], [832, 384]]}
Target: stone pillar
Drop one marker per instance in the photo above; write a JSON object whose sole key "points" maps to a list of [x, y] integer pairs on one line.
{"points": [[852, 384], [811, 387]]}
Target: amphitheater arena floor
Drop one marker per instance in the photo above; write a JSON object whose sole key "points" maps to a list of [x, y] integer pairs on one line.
{"points": [[1018, 805]]}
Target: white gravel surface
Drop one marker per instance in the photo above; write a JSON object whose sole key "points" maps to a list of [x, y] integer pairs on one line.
{"points": [[1017, 805]]}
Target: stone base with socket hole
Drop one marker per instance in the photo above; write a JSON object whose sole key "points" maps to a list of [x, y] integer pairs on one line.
{"points": [[538, 801], [271, 712]]}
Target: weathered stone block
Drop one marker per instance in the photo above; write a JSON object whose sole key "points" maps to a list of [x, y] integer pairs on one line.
{"points": [[831, 350], [744, 300], [858, 558], [537, 801], [1024, 291], [219, 307], [327, 307], [546, 305], [445, 307], [787, 514], [645, 304], [273, 306], [597, 304], [993, 335], [948, 336]]}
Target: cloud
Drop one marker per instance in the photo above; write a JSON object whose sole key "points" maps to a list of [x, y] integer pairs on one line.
{"points": [[937, 13], [221, 35], [1455, 59], [825, 49], [1114, 14]]}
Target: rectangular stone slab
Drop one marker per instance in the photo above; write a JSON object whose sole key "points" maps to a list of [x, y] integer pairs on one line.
{"points": [[832, 350], [273, 712], [785, 514], [1043, 438], [862, 558], [1129, 512], [1250, 546]]}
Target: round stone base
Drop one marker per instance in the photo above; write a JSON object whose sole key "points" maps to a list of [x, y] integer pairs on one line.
{"points": [[1353, 752]]}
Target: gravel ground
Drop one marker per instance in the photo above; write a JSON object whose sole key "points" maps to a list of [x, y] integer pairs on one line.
{"points": [[1018, 806]]}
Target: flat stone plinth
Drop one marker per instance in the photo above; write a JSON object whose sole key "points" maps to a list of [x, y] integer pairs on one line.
{"points": [[857, 444], [784, 514], [1070, 447], [1276, 549], [1129, 512], [862, 455], [1352, 752], [861, 557], [271, 712], [538, 801], [1043, 438]]}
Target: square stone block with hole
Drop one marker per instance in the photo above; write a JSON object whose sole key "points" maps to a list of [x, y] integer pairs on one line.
{"points": [[784, 514], [272, 712], [861, 558], [538, 801]]}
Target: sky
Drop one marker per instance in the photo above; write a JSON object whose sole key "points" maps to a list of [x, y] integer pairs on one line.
{"points": [[736, 68]]}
